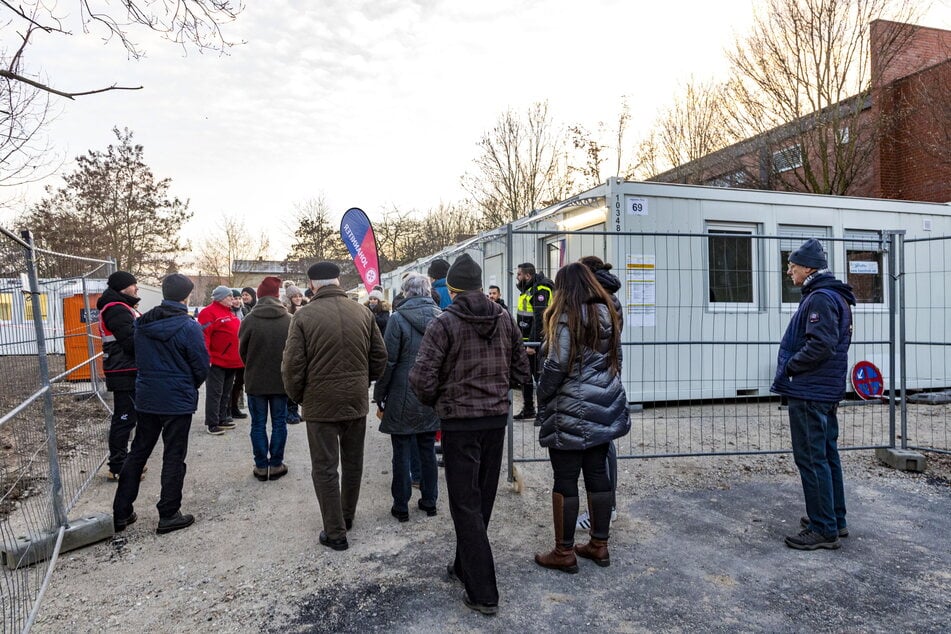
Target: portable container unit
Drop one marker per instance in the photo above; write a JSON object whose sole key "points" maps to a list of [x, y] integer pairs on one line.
{"points": [[704, 290]]}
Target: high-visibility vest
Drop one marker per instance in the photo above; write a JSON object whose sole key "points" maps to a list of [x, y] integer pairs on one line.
{"points": [[526, 310]]}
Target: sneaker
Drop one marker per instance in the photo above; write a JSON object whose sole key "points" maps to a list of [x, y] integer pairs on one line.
{"points": [[227, 424], [811, 540], [215, 430], [238, 414], [227, 420], [260, 473], [120, 525], [430, 510], [278, 472], [489, 609], [293, 420], [584, 520], [525, 414], [174, 523], [335, 544], [804, 523], [402, 516]]}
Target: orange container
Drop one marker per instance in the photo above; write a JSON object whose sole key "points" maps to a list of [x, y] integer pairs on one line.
{"points": [[76, 335]]}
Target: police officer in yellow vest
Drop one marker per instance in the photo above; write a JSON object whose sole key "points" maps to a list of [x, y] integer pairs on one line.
{"points": [[535, 297]]}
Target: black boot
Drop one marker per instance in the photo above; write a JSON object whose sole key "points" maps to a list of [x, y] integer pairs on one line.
{"points": [[599, 506], [564, 516]]}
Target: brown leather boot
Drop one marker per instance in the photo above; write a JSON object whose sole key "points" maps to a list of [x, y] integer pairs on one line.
{"points": [[596, 550], [564, 516]]}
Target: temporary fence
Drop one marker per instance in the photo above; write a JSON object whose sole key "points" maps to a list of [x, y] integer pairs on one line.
{"points": [[53, 418], [704, 314], [926, 343]]}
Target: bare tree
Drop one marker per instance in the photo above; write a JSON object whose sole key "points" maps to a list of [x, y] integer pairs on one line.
{"points": [[595, 149], [520, 166], [196, 23], [405, 236], [803, 79], [112, 205], [229, 241]]}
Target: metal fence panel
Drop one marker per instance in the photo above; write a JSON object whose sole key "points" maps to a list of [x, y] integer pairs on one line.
{"points": [[53, 418], [926, 344], [704, 314]]}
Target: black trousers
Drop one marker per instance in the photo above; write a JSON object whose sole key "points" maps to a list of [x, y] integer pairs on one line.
{"points": [[236, 390], [120, 428], [473, 462], [568, 465], [218, 394], [528, 389], [173, 428]]}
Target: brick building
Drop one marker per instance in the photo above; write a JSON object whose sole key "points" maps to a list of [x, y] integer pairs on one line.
{"points": [[903, 128]]}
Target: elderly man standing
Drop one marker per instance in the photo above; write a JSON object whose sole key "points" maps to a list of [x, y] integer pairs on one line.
{"points": [[334, 350], [811, 374], [469, 358]]}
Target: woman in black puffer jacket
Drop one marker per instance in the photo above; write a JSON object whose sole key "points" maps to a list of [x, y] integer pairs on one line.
{"points": [[582, 408]]}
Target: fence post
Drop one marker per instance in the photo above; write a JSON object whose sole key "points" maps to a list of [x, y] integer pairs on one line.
{"points": [[56, 481], [90, 348], [508, 286], [890, 238], [902, 342]]}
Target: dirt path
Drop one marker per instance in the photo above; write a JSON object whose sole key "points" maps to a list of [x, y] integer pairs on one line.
{"points": [[698, 545]]}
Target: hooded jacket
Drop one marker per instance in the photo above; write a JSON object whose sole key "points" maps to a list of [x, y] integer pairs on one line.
{"points": [[221, 328], [261, 345], [581, 405], [442, 290], [333, 351], [117, 327], [173, 360], [813, 358], [612, 285], [469, 358], [403, 413]]}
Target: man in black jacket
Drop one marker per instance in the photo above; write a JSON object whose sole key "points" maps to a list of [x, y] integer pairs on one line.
{"points": [[534, 299], [117, 317]]}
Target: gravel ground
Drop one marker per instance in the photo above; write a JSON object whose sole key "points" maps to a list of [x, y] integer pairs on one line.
{"points": [[697, 546]]}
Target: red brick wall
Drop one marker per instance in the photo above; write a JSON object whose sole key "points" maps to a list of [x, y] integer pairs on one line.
{"points": [[921, 47]]}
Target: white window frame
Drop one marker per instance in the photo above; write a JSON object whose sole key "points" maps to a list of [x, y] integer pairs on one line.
{"points": [[866, 234], [753, 229]]}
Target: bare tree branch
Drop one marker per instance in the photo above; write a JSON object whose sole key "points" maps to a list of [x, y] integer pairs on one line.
{"points": [[69, 95]]}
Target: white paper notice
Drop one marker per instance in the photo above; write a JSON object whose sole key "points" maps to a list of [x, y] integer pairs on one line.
{"points": [[641, 285], [635, 206], [867, 268]]}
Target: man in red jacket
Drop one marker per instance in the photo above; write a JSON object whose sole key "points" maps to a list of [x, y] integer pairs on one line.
{"points": [[221, 327]]}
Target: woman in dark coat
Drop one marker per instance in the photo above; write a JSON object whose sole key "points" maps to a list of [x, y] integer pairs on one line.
{"points": [[610, 283], [582, 408], [408, 421], [379, 308]]}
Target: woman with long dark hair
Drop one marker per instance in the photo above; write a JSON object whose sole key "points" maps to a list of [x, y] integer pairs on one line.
{"points": [[582, 408]]}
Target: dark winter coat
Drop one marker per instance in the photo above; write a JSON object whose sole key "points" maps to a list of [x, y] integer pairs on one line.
{"points": [[612, 285], [221, 328], [470, 356], [581, 406], [381, 314], [813, 356], [173, 360], [261, 345], [403, 413], [117, 327], [533, 301], [333, 351]]}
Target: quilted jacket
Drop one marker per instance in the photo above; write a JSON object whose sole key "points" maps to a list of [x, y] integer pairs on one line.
{"points": [[581, 405], [333, 351]]}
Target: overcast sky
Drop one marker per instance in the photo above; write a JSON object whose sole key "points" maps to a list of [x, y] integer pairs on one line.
{"points": [[376, 103]]}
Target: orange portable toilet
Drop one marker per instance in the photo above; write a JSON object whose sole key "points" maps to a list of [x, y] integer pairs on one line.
{"points": [[76, 336]]}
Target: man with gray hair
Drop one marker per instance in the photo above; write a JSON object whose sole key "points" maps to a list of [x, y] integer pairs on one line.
{"points": [[334, 350]]}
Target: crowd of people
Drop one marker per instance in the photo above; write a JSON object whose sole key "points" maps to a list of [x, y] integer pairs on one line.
{"points": [[441, 363]]}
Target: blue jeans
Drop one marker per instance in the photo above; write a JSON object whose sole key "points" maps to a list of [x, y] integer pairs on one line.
{"points": [[401, 487], [815, 429], [268, 454]]}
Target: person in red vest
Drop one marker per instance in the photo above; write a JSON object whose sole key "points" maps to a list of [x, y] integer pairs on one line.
{"points": [[117, 315], [221, 327]]}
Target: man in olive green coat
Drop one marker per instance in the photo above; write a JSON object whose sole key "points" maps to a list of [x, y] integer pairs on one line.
{"points": [[334, 350]]}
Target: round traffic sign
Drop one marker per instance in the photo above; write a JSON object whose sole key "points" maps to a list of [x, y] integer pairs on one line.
{"points": [[867, 380]]}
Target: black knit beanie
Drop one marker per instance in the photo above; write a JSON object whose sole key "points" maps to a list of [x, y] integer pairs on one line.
{"points": [[464, 274]]}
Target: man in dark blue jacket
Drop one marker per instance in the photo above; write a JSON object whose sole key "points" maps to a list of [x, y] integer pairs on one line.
{"points": [[172, 364], [811, 373]]}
